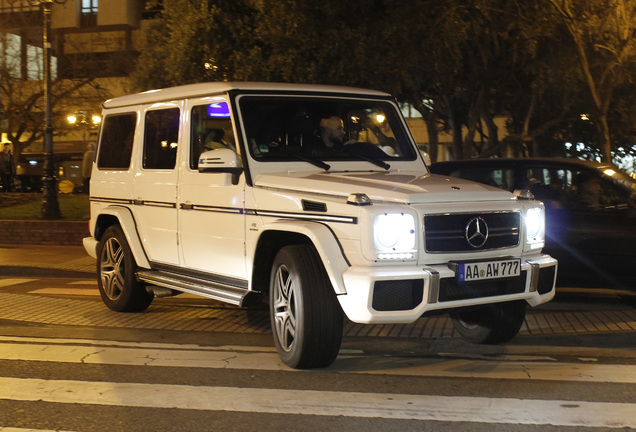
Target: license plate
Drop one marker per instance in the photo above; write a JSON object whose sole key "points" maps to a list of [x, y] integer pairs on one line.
{"points": [[475, 271]]}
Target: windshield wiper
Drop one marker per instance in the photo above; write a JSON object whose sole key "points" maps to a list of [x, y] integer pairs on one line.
{"points": [[377, 162], [313, 161]]}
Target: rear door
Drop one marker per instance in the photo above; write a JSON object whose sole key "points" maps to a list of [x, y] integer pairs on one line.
{"points": [[155, 183]]}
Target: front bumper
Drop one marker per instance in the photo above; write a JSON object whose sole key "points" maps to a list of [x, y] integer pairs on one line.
{"points": [[90, 244], [376, 295]]}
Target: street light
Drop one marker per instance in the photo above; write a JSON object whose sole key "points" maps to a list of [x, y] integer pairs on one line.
{"points": [[84, 121], [50, 204]]}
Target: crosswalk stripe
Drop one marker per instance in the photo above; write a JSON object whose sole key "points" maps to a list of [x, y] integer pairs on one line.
{"points": [[325, 403], [265, 358], [5, 282], [94, 292], [12, 429]]}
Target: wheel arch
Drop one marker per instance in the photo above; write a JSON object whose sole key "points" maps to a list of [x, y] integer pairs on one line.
{"points": [[123, 217], [283, 233]]}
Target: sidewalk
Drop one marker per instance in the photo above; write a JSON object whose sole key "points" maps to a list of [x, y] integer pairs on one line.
{"points": [[29, 258]]}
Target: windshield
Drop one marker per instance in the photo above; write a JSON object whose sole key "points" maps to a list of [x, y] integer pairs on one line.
{"points": [[282, 128]]}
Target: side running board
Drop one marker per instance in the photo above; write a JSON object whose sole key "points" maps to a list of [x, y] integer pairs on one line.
{"points": [[205, 288]]}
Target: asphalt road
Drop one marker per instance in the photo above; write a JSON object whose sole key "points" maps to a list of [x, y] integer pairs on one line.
{"points": [[190, 364]]}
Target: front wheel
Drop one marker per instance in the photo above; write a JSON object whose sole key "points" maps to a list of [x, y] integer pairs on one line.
{"points": [[306, 318], [490, 324], [119, 288]]}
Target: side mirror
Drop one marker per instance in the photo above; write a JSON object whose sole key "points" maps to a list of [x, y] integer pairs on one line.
{"points": [[220, 161]]}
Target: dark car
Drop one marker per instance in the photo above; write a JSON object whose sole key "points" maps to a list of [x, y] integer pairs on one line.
{"points": [[590, 212]]}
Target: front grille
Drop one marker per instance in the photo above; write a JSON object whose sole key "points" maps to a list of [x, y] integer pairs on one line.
{"points": [[451, 289], [447, 232]]}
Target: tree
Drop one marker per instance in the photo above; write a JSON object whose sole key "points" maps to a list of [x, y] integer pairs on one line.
{"points": [[22, 105], [22, 114], [460, 63], [193, 41], [602, 33]]}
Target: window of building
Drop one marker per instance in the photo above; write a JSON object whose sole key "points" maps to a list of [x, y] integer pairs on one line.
{"points": [[161, 137], [116, 143], [23, 61], [89, 13]]}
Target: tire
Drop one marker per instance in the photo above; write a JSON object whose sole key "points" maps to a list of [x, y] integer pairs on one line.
{"points": [[116, 268], [306, 318], [491, 324]]}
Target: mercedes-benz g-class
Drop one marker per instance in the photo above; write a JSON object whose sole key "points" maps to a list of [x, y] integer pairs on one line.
{"points": [[315, 198]]}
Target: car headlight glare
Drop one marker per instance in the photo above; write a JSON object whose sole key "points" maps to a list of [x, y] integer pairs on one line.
{"points": [[394, 235], [535, 225]]}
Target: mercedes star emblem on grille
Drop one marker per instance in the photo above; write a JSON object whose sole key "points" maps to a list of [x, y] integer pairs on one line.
{"points": [[476, 232]]}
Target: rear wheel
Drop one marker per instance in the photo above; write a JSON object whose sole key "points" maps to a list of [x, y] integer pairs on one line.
{"points": [[490, 324], [119, 288], [306, 318]]}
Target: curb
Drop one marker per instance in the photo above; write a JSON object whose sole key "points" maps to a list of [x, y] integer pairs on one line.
{"points": [[60, 233]]}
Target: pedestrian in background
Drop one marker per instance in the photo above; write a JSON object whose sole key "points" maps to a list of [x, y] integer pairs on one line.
{"points": [[87, 166], [7, 168]]}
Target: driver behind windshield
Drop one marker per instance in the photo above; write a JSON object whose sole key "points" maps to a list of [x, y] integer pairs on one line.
{"points": [[332, 132]]}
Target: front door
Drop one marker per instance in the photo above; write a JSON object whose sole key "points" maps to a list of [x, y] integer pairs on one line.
{"points": [[211, 207]]}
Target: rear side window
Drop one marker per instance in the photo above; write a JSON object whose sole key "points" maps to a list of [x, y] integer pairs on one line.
{"points": [[161, 137], [115, 148]]}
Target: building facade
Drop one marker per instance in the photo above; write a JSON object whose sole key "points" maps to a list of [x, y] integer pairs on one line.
{"points": [[93, 47]]}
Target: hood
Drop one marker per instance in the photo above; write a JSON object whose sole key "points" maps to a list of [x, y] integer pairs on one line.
{"points": [[403, 187]]}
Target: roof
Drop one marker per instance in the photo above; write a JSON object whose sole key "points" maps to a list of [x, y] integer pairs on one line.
{"points": [[210, 88]]}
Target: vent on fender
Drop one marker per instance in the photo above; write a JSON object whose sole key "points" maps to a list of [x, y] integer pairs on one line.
{"points": [[314, 206]]}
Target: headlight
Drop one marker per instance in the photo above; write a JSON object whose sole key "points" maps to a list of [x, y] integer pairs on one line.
{"points": [[394, 236], [535, 227]]}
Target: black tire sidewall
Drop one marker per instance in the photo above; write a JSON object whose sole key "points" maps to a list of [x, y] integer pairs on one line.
{"points": [[319, 318], [134, 296], [491, 324]]}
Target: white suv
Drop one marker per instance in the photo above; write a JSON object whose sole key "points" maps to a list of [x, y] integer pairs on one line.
{"points": [[314, 197]]}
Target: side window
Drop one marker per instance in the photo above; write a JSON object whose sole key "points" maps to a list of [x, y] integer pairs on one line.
{"points": [[116, 142], [595, 193], [161, 139], [211, 128], [501, 178], [547, 184], [575, 189]]}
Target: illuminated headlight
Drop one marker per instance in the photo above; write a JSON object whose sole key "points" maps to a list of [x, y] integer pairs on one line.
{"points": [[394, 236], [535, 227]]}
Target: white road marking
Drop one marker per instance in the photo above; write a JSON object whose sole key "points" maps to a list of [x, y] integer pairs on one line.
{"points": [[67, 291], [14, 281], [326, 403], [12, 429], [265, 358]]}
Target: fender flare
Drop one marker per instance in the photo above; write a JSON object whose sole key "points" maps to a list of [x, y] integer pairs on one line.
{"points": [[129, 226], [326, 244]]}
